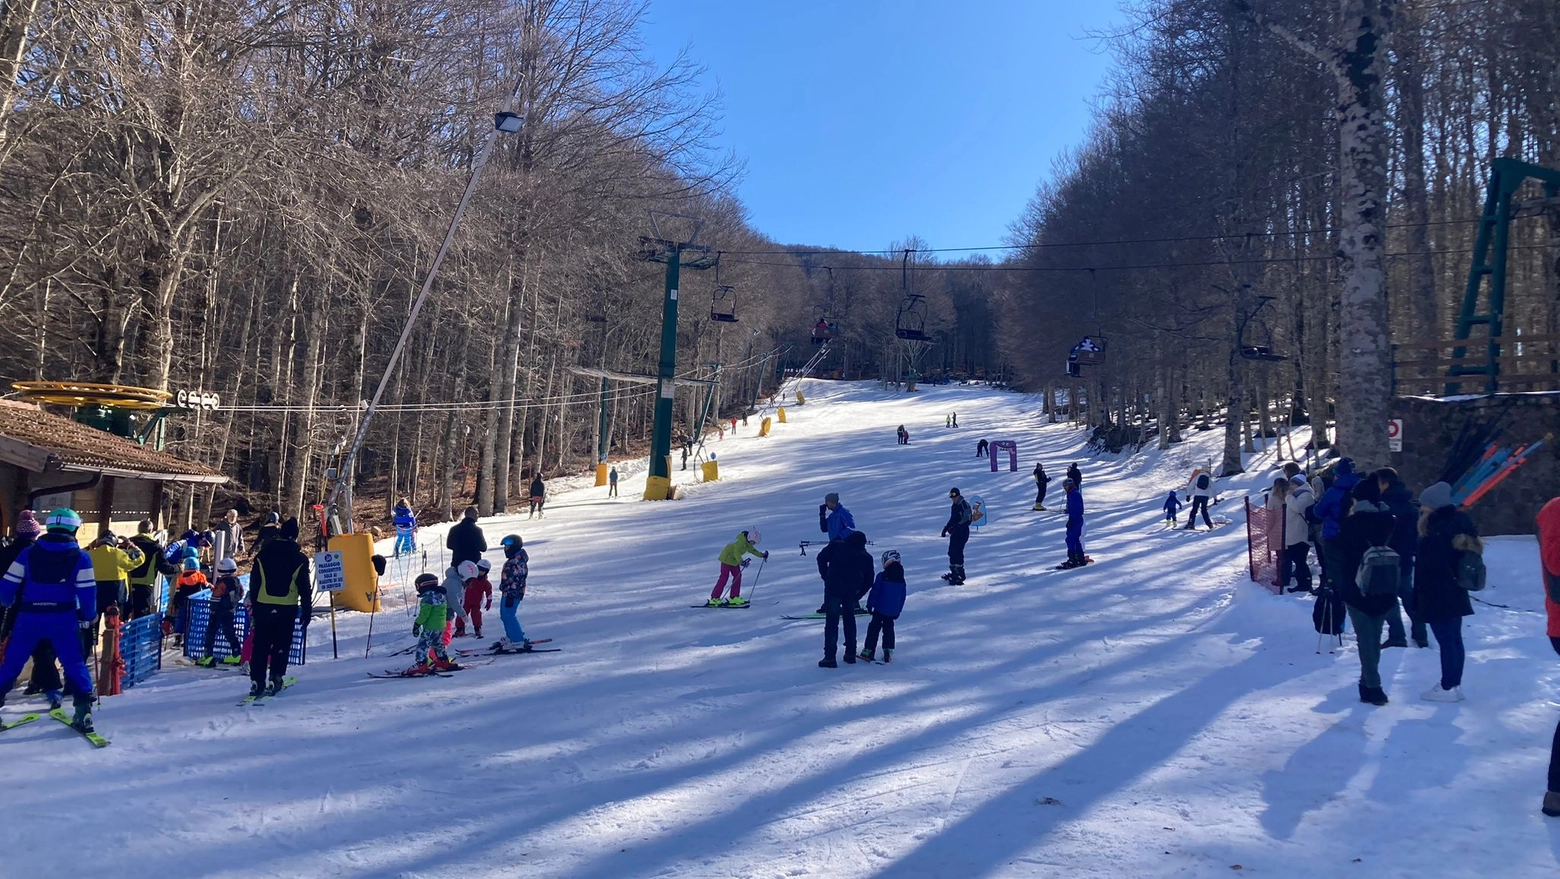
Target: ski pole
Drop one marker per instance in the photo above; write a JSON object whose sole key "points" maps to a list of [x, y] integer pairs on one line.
{"points": [[754, 591]]}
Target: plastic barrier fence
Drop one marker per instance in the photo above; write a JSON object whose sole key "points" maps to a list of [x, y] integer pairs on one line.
{"points": [[140, 646], [1264, 544], [195, 646]]}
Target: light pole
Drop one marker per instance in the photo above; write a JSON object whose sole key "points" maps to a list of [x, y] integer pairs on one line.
{"points": [[503, 123]]}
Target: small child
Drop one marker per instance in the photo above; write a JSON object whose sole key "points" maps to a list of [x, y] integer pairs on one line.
{"points": [[226, 592], [731, 565], [477, 588], [885, 601], [1172, 507], [189, 582], [454, 590], [433, 615], [511, 585]]}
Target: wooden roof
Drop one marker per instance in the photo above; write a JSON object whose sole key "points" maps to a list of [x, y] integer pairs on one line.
{"points": [[39, 441]]}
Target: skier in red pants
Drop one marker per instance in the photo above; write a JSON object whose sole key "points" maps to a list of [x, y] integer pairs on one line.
{"points": [[479, 589]]}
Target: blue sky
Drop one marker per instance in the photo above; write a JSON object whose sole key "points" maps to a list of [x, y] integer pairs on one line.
{"points": [[864, 121]]}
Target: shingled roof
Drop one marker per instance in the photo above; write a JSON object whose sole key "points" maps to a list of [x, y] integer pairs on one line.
{"points": [[39, 441]]}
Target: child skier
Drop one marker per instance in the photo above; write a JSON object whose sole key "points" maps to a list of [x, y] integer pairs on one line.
{"points": [[1041, 481], [731, 565], [477, 589], [405, 529], [455, 579], [226, 592], [189, 582], [1172, 507], [886, 600], [511, 587], [433, 615]]}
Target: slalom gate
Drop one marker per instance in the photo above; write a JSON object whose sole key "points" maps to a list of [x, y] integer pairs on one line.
{"points": [[1264, 544]]}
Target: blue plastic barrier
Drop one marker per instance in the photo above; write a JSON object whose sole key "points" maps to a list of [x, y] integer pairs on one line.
{"points": [[195, 646], [140, 646]]}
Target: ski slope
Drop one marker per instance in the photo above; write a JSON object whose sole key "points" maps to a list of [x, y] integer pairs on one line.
{"points": [[1153, 714]]}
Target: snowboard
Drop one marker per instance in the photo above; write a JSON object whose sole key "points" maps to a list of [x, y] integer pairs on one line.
{"points": [[1087, 560], [97, 740]]}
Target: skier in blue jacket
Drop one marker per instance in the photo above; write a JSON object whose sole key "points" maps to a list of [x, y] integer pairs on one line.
{"points": [[833, 519], [1075, 556], [1172, 507], [405, 528], [52, 592], [1330, 510], [886, 600]]}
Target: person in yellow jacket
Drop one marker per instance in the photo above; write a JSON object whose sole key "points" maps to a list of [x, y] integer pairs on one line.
{"points": [[112, 561], [731, 565]]}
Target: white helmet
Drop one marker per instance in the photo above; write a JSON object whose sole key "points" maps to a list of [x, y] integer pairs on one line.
{"points": [[753, 536], [484, 565], [467, 571], [227, 566]]}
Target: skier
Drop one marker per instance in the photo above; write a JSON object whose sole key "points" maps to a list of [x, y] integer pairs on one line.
{"points": [[478, 597], [886, 601], [947, 421], [466, 542], [731, 565], [51, 591], [45, 672], [405, 528], [1296, 506], [511, 586], [1199, 489], [1549, 569], [1075, 556], [232, 535], [846, 568], [189, 582], [612, 479], [456, 579], [958, 533], [1041, 481], [433, 614], [1075, 474], [902, 435], [1172, 507], [281, 598], [981, 447], [226, 593], [144, 579], [538, 496], [955, 419], [833, 519]]}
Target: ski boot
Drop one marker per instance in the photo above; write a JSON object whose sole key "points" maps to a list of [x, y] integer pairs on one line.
{"points": [[476, 633], [275, 687], [739, 601], [256, 689], [867, 655], [713, 602], [232, 660], [828, 662], [1040, 508], [445, 664], [55, 697], [888, 655], [823, 609], [82, 720]]}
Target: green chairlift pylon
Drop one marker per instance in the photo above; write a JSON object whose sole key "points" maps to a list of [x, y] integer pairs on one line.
{"points": [[1489, 264]]}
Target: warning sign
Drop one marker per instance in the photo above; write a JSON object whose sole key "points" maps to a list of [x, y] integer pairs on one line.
{"points": [[1395, 435], [330, 573]]}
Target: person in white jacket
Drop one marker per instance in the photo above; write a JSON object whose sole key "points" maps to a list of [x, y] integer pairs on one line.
{"points": [[1200, 489], [1296, 532]]}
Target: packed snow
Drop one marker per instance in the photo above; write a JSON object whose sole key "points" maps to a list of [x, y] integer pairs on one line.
{"points": [[1152, 714]]}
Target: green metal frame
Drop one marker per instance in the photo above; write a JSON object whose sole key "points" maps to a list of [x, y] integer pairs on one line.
{"points": [[1506, 177]]}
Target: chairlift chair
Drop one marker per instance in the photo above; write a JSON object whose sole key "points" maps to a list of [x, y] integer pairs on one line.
{"points": [[910, 322], [1258, 353], [723, 304]]}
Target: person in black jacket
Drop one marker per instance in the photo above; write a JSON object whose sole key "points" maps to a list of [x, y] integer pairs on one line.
{"points": [[1075, 474], [538, 496], [1041, 481], [279, 597], [847, 570], [1399, 501], [466, 541], [1445, 533], [1368, 524], [958, 533]]}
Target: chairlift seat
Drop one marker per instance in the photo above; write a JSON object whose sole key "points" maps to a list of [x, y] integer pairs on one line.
{"points": [[1261, 354], [723, 318], [912, 335]]}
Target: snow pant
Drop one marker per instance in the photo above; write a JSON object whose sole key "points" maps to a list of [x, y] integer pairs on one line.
{"points": [[1199, 504], [221, 619], [473, 607], [109, 593], [732, 573], [404, 542], [1075, 540], [1448, 636], [45, 670], [1367, 631], [882, 624], [140, 600], [248, 653], [612, 490], [1294, 564], [536, 506], [1554, 747], [957, 538], [1395, 617], [273, 630], [458, 625], [1040, 494], [60, 629], [837, 606], [449, 631], [430, 645], [509, 613]]}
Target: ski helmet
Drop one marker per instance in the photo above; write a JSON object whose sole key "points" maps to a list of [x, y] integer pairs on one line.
{"points": [[227, 566], [467, 571], [753, 536], [63, 520], [191, 563], [484, 565], [425, 580], [891, 557], [511, 544]]}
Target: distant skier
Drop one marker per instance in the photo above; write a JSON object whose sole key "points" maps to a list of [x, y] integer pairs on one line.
{"points": [[846, 568], [1075, 556], [538, 496], [886, 601], [1200, 489], [1075, 474], [981, 448], [226, 593], [955, 419], [511, 587], [1172, 507], [433, 613], [281, 598], [947, 421], [903, 435], [476, 590], [612, 480], [466, 542], [731, 565], [52, 595], [958, 533], [1041, 481], [405, 528]]}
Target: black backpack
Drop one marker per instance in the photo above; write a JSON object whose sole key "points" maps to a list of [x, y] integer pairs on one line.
{"points": [[1202, 481]]}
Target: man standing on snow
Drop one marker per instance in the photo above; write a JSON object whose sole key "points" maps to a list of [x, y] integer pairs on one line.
{"points": [[1041, 481], [1075, 556], [1075, 474], [1200, 487], [466, 541], [958, 533], [53, 595], [837, 522], [847, 570], [279, 597]]}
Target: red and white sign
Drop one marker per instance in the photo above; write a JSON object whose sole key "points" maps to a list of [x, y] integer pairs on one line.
{"points": [[1395, 435]]}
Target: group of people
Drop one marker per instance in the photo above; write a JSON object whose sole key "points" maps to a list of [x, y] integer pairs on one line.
{"points": [[465, 592]]}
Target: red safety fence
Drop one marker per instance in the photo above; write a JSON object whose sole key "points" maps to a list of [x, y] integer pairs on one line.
{"points": [[1264, 544]]}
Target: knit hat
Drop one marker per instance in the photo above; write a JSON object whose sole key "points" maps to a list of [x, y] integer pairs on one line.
{"points": [[1345, 467], [953, 492], [63, 519], [1436, 496], [289, 529], [27, 525]]}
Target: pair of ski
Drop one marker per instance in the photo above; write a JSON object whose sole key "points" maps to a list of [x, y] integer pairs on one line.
{"points": [[267, 695], [494, 650], [424, 671], [96, 740], [745, 604]]}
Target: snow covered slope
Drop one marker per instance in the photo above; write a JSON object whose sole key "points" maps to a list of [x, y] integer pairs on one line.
{"points": [[1150, 715]]}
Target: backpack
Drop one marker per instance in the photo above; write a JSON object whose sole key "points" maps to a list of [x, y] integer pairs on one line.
{"points": [[1470, 571], [1380, 571], [1202, 481]]}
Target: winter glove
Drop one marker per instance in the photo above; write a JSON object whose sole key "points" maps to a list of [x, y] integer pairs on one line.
{"points": [[510, 601], [489, 604], [765, 556], [945, 532], [823, 510]]}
